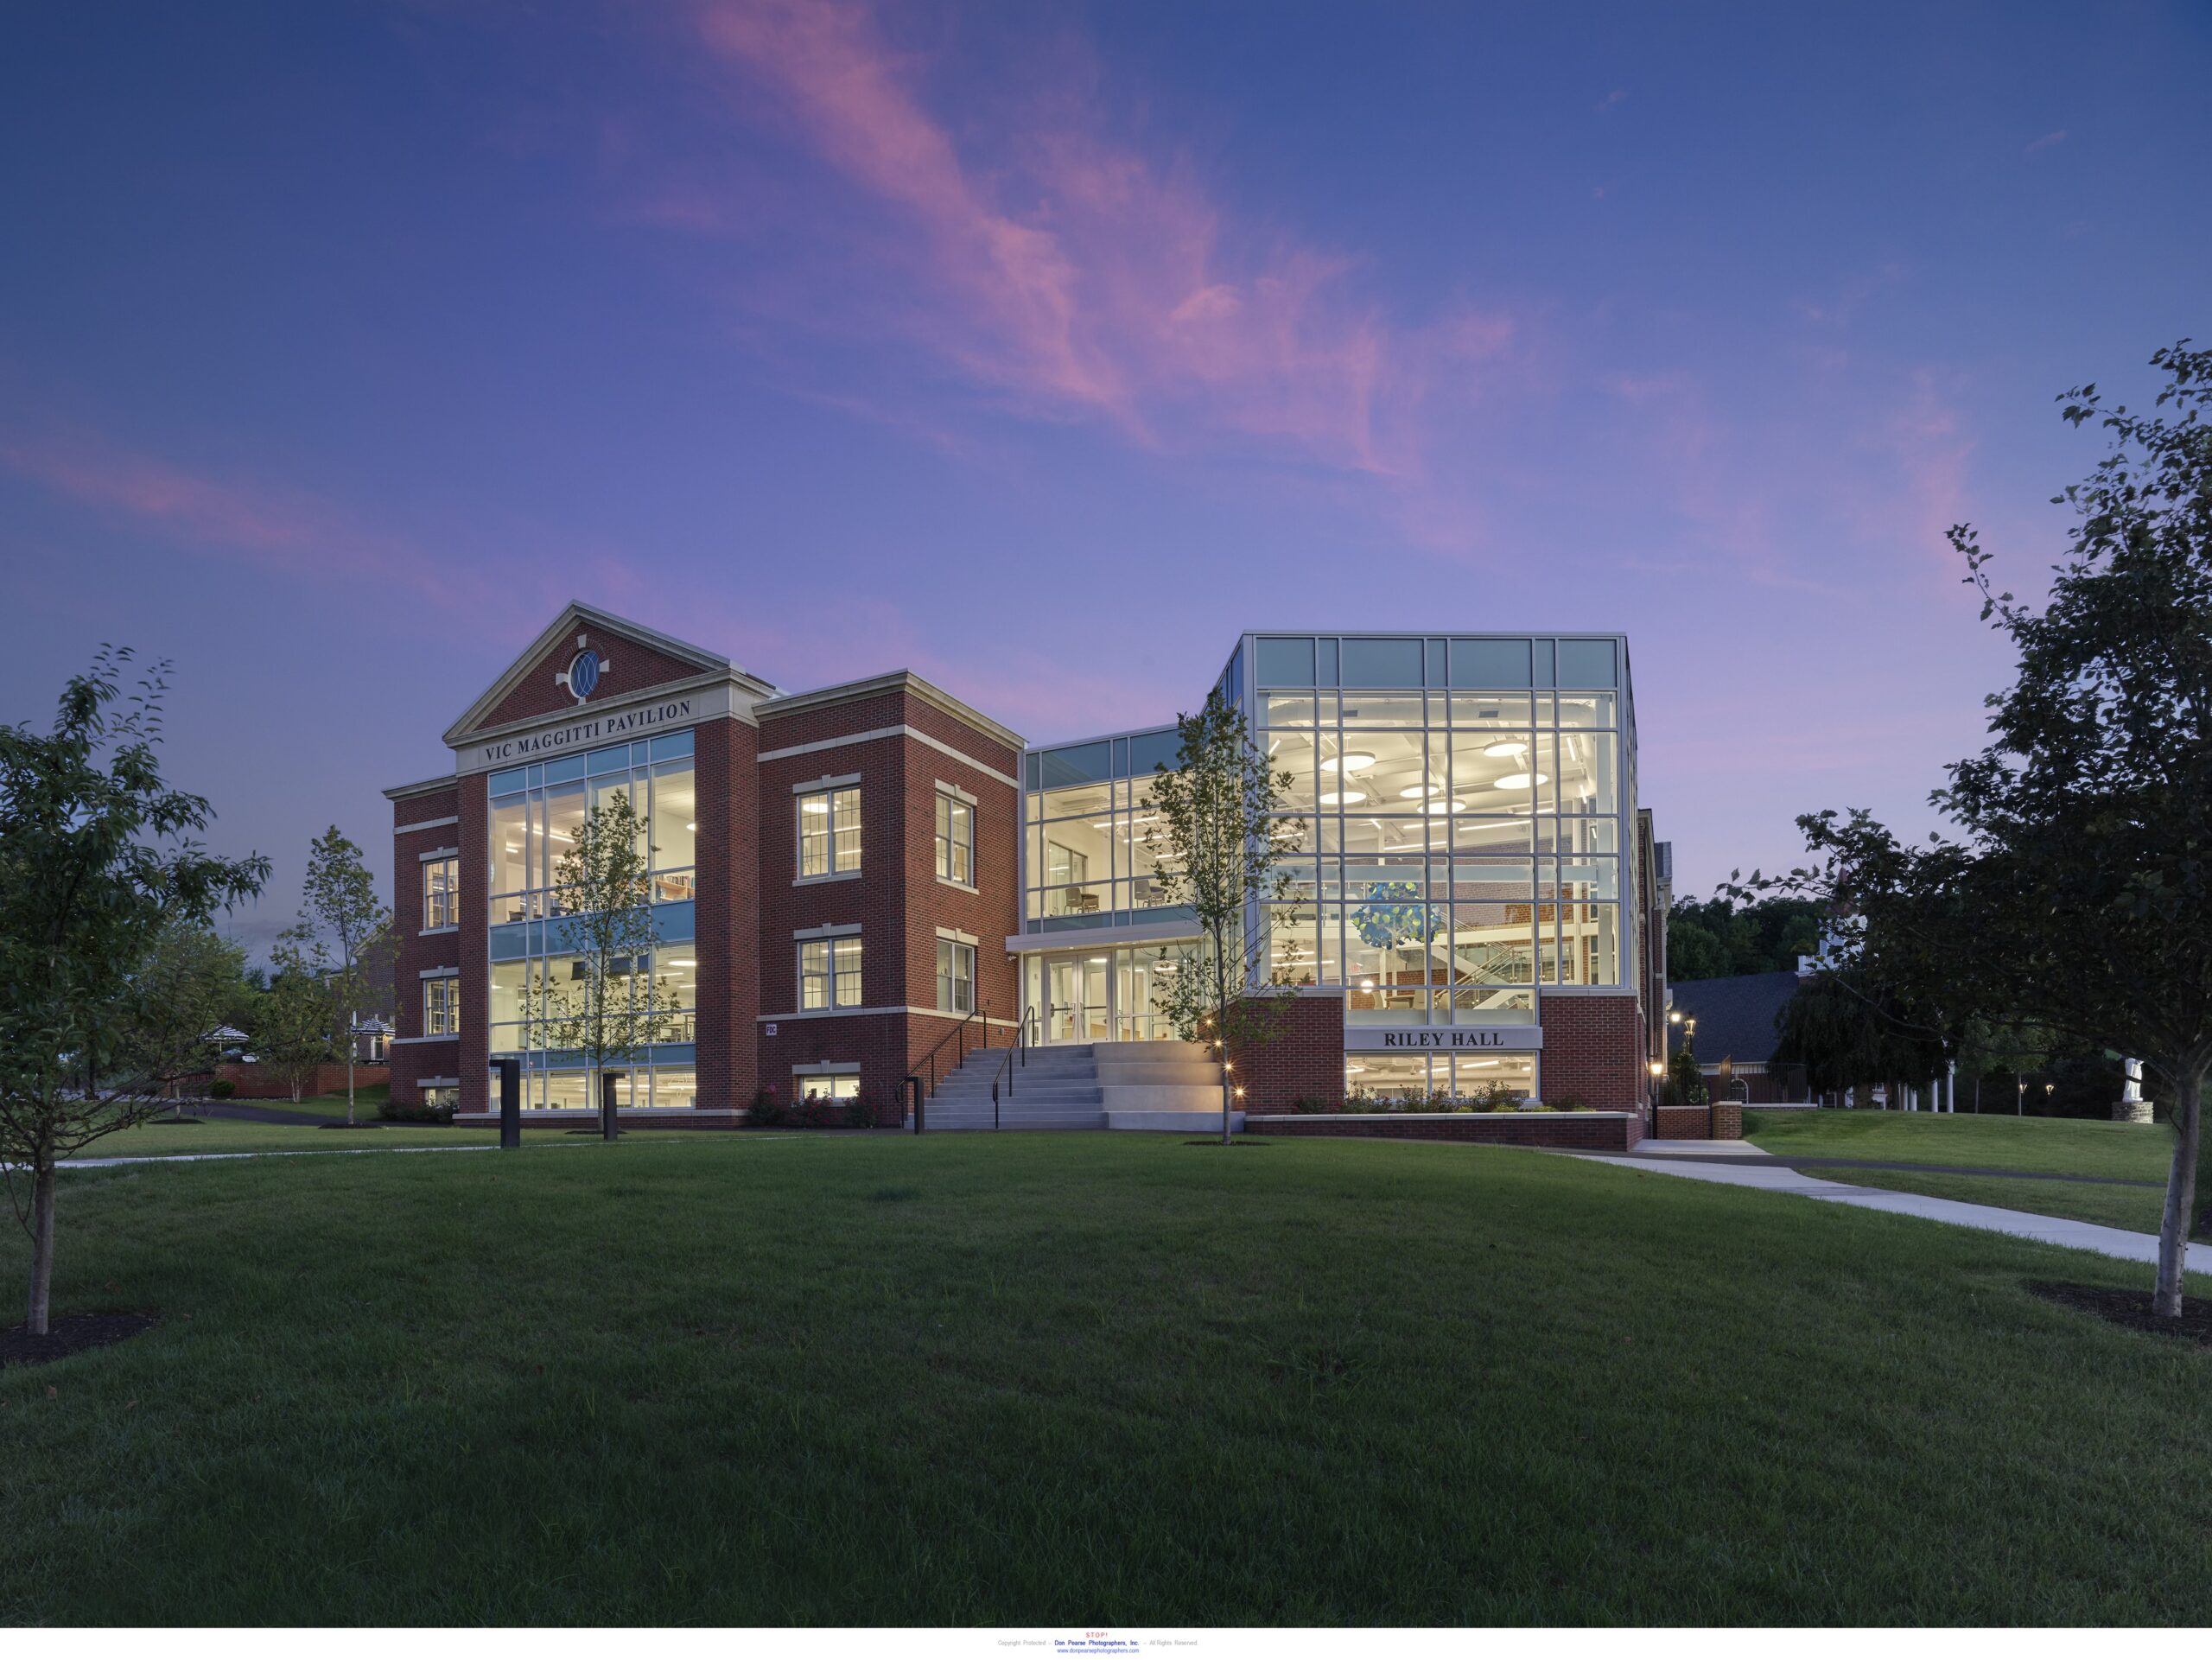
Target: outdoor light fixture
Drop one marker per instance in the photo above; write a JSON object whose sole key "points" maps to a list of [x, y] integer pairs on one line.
{"points": [[1656, 1069]]}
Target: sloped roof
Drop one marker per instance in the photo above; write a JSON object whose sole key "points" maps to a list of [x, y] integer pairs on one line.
{"points": [[1736, 1015]]}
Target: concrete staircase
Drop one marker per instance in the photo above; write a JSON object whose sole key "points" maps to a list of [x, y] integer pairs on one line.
{"points": [[1168, 1086]]}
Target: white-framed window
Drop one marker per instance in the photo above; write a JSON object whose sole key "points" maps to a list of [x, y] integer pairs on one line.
{"points": [[440, 892], [829, 831], [825, 1086], [442, 1007], [956, 976], [829, 972], [956, 839]]}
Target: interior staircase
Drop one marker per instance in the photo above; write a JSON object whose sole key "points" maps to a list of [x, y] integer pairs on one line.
{"points": [[1169, 1086]]}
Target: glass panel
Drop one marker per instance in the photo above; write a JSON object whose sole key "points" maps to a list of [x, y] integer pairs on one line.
{"points": [[1150, 750], [1586, 776], [556, 834], [1082, 763], [1493, 944], [1295, 753], [508, 782], [1477, 1076], [674, 826], [1084, 801], [1381, 662], [616, 760], [1287, 709], [1294, 950], [1588, 708], [813, 812], [1591, 946], [1487, 1006], [1373, 709], [847, 953], [675, 1088], [1490, 662], [671, 745], [1587, 662], [509, 846], [1285, 662], [845, 828]]}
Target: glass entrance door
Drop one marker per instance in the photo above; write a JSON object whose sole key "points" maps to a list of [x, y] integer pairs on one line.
{"points": [[1075, 1009]]}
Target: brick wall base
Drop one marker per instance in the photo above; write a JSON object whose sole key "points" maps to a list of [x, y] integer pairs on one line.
{"points": [[1595, 1131], [1722, 1121]]}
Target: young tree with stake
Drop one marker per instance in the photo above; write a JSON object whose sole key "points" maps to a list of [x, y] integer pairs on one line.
{"points": [[341, 905], [1218, 840], [614, 1006], [97, 860]]}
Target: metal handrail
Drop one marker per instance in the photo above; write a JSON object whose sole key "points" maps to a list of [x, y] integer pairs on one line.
{"points": [[958, 1036], [1019, 1046]]}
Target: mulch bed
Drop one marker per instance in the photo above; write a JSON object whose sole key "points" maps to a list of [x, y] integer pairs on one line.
{"points": [[2131, 1309], [69, 1334]]}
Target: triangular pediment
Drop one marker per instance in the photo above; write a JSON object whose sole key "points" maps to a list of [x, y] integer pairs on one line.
{"points": [[630, 659]]}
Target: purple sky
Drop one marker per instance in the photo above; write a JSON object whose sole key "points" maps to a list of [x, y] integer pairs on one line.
{"points": [[1041, 349]]}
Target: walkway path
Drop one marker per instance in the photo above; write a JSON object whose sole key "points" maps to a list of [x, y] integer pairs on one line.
{"points": [[270, 1153], [1737, 1164], [1745, 1153]]}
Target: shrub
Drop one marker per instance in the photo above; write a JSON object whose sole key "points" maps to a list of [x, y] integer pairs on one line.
{"points": [[221, 1090], [1571, 1103], [1314, 1104], [860, 1113], [413, 1112], [766, 1112]]}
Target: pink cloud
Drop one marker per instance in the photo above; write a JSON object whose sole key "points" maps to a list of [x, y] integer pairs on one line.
{"points": [[1068, 272], [276, 529]]}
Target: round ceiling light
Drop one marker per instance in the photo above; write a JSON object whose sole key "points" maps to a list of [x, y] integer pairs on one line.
{"points": [[1342, 798], [1506, 747], [1521, 780], [1415, 792], [1446, 806], [1352, 760]]}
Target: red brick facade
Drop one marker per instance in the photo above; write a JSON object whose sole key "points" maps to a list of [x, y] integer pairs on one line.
{"points": [[424, 821], [636, 667], [1594, 1052]]}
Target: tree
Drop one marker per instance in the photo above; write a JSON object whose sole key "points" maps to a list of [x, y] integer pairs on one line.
{"points": [[1709, 939], [2077, 895], [1218, 839], [97, 860], [297, 1017], [1846, 1036], [613, 1006], [188, 982], [340, 902]]}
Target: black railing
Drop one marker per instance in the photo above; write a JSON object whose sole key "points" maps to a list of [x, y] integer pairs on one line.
{"points": [[1018, 1049], [922, 1082]]}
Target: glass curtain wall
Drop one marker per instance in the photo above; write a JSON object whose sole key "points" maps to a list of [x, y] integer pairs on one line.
{"points": [[1111, 994], [1086, 808], [534, 814], [1464, 838]]}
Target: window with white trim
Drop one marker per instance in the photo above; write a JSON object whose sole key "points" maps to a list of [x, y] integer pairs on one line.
{"points": [[829, 972], [441, 1007], [956, 839], [956, 976], [440, 892], [829, 831]]}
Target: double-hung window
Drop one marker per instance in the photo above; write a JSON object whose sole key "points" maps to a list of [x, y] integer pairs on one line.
{"points": [[829, 972], [442, 1007], [829, 832], [956, 976], [956, 839], [440, 892]]}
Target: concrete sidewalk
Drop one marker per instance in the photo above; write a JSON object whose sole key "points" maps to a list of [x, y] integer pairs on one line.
{"points": [[1990, 1219]]}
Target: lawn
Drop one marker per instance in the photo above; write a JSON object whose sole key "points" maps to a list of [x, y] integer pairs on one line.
{"points": [[2073, 1146], [368, 1100], [1046, 1379], [242, 1136], [2138, 1209]]}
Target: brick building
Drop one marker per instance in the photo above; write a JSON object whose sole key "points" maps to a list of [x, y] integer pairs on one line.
{"points": [[840, 877]]}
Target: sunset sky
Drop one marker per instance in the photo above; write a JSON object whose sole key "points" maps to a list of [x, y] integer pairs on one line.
{"points": [[1043, 348]]}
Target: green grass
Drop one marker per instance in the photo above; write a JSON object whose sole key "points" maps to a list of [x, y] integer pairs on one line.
{"points": [[242, 1135], [368, 1100], [2077, 1147], [2139, 1209], [1040, 1380]]}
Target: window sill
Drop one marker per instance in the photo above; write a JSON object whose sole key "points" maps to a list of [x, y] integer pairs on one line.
{"points": [[965, 887], [833, 876], [450, 928], [434, 1037]]}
